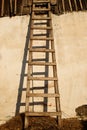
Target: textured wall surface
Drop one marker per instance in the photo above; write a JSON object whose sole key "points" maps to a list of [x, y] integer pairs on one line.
{"points": [[70, 33]]}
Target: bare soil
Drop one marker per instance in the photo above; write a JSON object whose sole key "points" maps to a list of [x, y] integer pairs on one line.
{"points": [[43, 123]]}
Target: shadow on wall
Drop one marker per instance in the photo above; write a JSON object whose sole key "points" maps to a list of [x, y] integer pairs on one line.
{"points": [[22, 76], [43, 86]]}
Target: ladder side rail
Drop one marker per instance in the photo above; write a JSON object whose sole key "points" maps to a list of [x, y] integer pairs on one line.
{"points": [[29, 72], [76, 5], [2, 8], [57, 100]]}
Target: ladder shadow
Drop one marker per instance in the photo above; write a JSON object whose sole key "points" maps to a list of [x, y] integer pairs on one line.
{"points": [[22, 75], [45, 73], [21, 88]]}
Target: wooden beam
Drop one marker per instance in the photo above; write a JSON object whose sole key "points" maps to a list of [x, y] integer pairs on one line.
{"points": [[50, 95], [22, 5], [43, 78], [42, 50], [15, 7], [81, 4], [59, 6], [86, 4], [11, 7], [76, 5], [2, 8], [43, 113], [63, 4], [57, 100], [70, 5], [42, 63]]}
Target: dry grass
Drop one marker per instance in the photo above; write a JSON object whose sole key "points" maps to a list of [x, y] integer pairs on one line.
{"points": [[43, 123]]}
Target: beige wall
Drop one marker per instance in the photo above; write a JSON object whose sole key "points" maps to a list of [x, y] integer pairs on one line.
{"points": [[70, 33], [71, 50], [12, 41]]}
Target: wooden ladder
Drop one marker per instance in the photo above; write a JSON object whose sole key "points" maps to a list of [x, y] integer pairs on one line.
{"points": [[41, 44]]}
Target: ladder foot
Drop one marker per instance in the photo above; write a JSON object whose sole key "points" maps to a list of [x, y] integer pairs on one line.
{"points": [[26, 123]]}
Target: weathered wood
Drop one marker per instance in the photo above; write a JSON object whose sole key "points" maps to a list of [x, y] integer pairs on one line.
{"points": [[42, 63], [76, 5], [57, 100], [41, 50], [42, 78], [70, 5], [11, 7], [81, 4], [41, 38], [15, 6], [40, 1], [63, 3], [41, 95], [30, 2], [29, 72], [31, 79], [2, 8], [41, 9], [22, 5], [41, 18], [86, 4], [41, 28], [43, 114], [59, 7]]}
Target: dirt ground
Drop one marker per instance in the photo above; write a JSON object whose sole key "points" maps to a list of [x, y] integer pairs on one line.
{"points": [[43, 123]]}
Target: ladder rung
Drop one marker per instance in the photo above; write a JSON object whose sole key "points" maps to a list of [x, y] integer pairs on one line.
{"points": [[41, 9], [43, 113], [41, 18], [42, 28], [42, 95], [41, 38], [42, 63], [43, 78], [40, 1], [41, 50]]}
